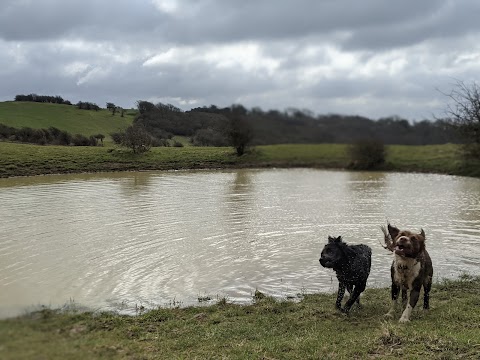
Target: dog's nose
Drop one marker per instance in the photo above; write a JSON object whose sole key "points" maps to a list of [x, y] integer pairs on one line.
{"points": [[402, 240]]}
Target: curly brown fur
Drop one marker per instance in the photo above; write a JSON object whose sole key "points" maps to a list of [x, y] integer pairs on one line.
{"points": [[411, 268]]}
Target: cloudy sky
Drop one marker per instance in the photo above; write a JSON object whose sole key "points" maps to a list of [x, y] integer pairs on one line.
{"points": [[373, 58]]}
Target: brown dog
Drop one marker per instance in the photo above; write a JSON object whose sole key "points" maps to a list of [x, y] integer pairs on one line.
{"points": [[411, 268]]}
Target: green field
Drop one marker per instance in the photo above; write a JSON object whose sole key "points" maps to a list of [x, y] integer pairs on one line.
{"points": [[268, 329], [64, 117], [26, 159]]}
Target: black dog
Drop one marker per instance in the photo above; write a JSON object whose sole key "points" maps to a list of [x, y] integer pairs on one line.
{"points": [[352, 265]]}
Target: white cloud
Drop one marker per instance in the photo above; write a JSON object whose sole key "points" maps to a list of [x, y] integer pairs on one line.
{"points": [[94, 75], [168, 6], [245, 56], [75, 68]]}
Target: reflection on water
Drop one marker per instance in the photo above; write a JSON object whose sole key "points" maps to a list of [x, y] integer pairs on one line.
{"points": [[110, 240]]}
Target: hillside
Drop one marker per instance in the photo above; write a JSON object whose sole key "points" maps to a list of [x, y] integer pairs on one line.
{"points": [[20, 114]]}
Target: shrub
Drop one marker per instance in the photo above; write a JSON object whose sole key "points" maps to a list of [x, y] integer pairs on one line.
{"points": [[63, 138], [81, 140], [135, 137], [40, 136], [6, 131], [367, 154], [158, 142], [209, 137], [24, 134], [117, 137]]}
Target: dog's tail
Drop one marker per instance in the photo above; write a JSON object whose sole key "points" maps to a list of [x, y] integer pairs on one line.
{"points": [[388, 239]]}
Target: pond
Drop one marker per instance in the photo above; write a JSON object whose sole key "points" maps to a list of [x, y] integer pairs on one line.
{"points": [[125, 240]]}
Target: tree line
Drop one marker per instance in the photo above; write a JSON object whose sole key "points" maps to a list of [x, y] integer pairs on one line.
{"points": [[209, 126], [50, 136], [82, 105], [42, 99]]}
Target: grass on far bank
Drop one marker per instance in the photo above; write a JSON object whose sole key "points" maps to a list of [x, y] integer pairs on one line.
{"points": [[69, 118], [268, 329], [27, 159]]}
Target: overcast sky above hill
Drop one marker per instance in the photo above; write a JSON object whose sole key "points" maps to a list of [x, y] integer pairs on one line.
{"points": [[373, 58]]}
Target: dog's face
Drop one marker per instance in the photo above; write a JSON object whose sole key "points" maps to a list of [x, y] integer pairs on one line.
{"points": [[407, 243], [331, 253]]}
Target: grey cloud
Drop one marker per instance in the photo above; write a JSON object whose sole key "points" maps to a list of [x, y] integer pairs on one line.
{"points": [[371, 23], [449, 20], [97, 51], [86, 19]]}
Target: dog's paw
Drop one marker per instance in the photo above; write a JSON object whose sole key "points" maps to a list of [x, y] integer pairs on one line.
{"points": [[343, 311], [404, 320]]}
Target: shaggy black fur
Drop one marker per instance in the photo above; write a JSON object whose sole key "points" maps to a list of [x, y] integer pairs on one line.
{"points": [[352, 265]]}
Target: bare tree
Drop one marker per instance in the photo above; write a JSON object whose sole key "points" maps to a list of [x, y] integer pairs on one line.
{"points": [[463, 112], [240, 133]]}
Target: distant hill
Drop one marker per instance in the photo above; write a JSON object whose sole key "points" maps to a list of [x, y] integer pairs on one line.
{"points": [[20, 114], [206, 126]]}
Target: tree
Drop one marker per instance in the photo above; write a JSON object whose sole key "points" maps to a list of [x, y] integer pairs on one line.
{"points": [[112, 107], [145, 106], [240, 133], [99, 137], [463, 114], [135, 137], [367, 154]]}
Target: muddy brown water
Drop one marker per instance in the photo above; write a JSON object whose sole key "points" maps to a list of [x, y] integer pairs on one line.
{"points": [[125, 240]]}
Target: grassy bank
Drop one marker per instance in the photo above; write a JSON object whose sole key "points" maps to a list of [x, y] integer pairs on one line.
{"points": [[64, 117], [25, 159], [268, 329]]}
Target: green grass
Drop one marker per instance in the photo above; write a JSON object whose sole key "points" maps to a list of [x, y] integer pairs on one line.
{"points": [[444, 159], [64, 117], [26, 159], [268, 329]]}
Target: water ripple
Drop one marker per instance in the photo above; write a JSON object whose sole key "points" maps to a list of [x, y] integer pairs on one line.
{"points": [[113, 241]]}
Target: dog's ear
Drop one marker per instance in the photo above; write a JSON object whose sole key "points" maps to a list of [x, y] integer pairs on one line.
{"points": [[332, 239], [422, 233], [393, 231]]}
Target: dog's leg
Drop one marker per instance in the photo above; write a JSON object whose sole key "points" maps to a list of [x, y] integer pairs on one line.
{"points": [[426, 293], [395, 292], [412, 301], [354, 296], [349, 288], [350, 291], [404, 297], [341, 292]]}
